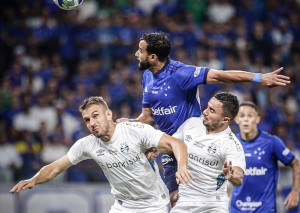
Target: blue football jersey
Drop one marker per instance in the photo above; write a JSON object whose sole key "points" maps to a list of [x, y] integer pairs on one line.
{"points": [[258, 191], [172, 94]]}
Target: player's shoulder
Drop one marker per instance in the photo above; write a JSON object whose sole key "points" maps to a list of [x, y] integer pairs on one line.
{"points": [[267, 137], [86, 141], [131, 126], [232, 140], [177, 66], [193, 122]]}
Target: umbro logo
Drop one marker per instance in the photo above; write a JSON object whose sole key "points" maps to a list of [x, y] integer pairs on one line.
{"points": [[100, 152]]}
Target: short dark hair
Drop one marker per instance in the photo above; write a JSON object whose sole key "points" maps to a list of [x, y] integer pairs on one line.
{"points": [[97, 100], [158, 44], [250, 104], [230, 104]]}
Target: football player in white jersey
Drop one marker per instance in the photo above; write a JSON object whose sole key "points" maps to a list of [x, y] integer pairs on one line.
{"points": [[215, 157], [119, 151]]}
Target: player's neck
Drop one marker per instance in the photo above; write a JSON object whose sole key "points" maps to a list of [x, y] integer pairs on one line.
{"points": [[157, 67], [249, 136], [216, 130]]}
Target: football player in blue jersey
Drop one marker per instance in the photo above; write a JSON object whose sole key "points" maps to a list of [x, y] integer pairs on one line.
{"points": [[170, 91], [262, 151]]}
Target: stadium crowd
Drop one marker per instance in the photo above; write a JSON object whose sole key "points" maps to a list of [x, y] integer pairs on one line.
{"points": [[51, 60]]}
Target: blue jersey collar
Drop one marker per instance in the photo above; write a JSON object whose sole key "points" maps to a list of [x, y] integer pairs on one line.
{"points": [[164, 67]]}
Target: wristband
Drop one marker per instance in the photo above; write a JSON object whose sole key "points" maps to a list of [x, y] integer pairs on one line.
{"points": [[131, 120], [257, 78]]}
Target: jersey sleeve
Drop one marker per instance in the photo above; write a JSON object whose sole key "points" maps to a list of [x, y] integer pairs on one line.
{"points": [[281, 152], [150, 136], [235, 153], [76, 153], [188, 76]]}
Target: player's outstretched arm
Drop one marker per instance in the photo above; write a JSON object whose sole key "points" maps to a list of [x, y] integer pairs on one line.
{"points": [[145, 117], [183, 175], [271, 79], [292, 199], [234, 174], [45, 174]]}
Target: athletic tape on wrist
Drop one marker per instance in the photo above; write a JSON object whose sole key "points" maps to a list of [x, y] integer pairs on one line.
{"points": [[257, 78]]}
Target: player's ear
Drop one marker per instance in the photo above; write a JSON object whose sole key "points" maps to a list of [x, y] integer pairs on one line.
{"points": [[108, 114], [257, 119]]}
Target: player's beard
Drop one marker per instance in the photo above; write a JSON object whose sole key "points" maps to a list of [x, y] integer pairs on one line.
{"points": [[212, 126], [143, 65]]}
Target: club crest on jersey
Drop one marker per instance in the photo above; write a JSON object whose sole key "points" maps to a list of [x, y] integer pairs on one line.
{"points": [[212, 149], [100, 152], [124, 148], [197, 72]]}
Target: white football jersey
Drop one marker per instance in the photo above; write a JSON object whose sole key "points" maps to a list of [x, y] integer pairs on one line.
{"points": [[122, 159], [206, 156]]}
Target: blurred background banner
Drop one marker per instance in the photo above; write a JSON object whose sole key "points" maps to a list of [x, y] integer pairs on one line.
{"points": [[52, 59]]}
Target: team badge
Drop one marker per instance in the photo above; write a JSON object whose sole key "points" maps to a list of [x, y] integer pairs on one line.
{"points": [[124, 148], [212, 149]]}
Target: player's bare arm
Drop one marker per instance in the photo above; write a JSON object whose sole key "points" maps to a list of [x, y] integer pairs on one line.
{"points": [[233, 174], [45, 174], [271, 79], [183, 175], [145, 117], [292, 199]]}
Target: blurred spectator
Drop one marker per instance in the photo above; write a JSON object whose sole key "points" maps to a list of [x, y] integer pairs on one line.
{"points": [[10, 160]]}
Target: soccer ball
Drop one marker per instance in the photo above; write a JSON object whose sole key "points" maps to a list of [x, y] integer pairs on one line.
{"points": [[68, 4]]}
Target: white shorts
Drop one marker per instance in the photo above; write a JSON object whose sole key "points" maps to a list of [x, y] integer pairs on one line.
{"points": [[201, 206], [117, 208]]}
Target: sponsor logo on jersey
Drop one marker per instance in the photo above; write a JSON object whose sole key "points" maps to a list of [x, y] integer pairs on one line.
{"points": [[164, 111], [166, 159], [248, 204], [285, 152], [113, 152], [100, 152], [124, 148], [203, 160], [254, 171], [188, 138], [248, 154], [198, 144], [120, 163], [197, 72], [135, 124], [154, 92], [212, 149]]}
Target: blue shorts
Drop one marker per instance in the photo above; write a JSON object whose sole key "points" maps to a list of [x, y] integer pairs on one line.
{"points": [[169, 164]]}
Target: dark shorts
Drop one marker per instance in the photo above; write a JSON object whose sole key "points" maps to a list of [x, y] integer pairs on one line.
{"points": [[169, 164]]}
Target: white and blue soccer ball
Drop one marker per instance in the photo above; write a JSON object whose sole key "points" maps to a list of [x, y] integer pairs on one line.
{"points": [[68, 4]]}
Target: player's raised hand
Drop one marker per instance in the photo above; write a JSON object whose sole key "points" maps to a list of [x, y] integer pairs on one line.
{"points": [[292, 200], [273, 79], [227, 169], [183, 175], [24, 184]]}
